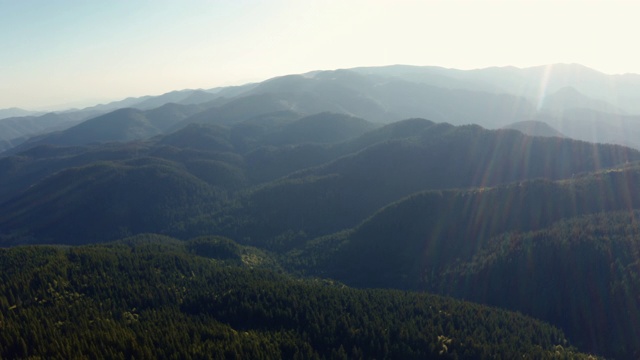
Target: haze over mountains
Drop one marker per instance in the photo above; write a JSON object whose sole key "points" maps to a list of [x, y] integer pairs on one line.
{"points": [[576, 101], [514, 188]]}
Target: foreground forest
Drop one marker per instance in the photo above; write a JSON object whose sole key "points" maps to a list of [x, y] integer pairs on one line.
{"points": [[152, 297], [254, 224]]}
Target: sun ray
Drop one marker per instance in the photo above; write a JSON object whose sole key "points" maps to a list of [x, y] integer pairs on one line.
{"points": [[544, 83]]}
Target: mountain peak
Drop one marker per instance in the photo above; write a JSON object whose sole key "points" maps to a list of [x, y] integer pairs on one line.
{"points": [[535, 128]]}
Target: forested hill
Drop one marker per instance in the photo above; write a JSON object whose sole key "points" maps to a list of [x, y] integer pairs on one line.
{"points": [[152, 297], [250, 183], [563, 251], [580, 274], [340, 194], [432, 230]]}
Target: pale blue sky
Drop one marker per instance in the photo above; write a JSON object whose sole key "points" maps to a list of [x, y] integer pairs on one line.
{"points": [[69, 52]]}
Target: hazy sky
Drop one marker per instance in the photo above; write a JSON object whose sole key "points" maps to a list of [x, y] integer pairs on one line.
{"points": [[73, 52]]}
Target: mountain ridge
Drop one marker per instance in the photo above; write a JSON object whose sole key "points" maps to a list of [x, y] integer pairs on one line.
{"points": [[490, 97]]}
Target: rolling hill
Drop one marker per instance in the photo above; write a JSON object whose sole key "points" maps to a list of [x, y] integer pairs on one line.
{"points": [[538, 246], [341, 193], [120, 125]]}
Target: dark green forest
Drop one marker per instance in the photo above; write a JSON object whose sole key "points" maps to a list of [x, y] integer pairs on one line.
{"points": [[281, 235], [153, 297]]}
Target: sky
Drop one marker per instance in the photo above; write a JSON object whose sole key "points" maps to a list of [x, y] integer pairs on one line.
{"points": [[56, 54]]}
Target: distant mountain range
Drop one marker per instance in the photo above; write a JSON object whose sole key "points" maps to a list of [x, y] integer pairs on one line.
{"points": [[16, 112], [536, 84], [579, 102]]}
